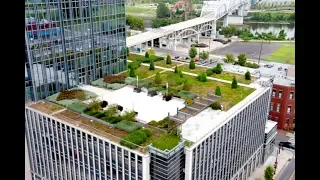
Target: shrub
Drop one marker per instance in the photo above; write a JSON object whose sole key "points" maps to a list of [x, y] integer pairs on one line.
{"points": [[164, 123], [234, 84], [147, 55], [127, 126], [71, 94], [248, 75], [189, 101], [94, 106], [151, 58], [252, 65], [115, 86], [134, 64], [129, 116], [186, 94], [218, 69], [242, 59], [168, 59], [153, 123], [151, 67], [77, 107], [216, 106], [192, 65], [176, 70], [157, 79], [130, 80], [128, 51], [132, 72], [209, 72], [104, 104], [218, 91], [120, 108], [98, 82], [151, 52], [229, 58], [114, 78], [136, 138], [202, 77], [112, 119], [187, 86], [193, 52]]}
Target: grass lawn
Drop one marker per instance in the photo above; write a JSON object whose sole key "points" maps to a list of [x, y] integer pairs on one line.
{"points": [[197, 70], [229, 98], [134, 57], [285, 54], [163, 63], [144, 72], [144, 10], [166, 141], [229, 76]]}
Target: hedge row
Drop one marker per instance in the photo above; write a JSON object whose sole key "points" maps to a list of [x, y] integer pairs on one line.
{"points": [[72, 94]]}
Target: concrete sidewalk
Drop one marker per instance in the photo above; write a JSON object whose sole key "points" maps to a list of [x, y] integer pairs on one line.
{"points": [[283, 160]]}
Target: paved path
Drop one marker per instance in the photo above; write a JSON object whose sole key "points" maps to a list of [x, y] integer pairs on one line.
{"points": [[288, 172]]}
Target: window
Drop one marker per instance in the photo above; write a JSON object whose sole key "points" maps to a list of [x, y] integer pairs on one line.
{"points": [[289, 109], [278, 108], [291, 95], [287, 121], [280, 94], [271, 106], [274, 93]]}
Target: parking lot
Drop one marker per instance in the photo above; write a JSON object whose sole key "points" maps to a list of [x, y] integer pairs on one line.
{"points": [[252, 50]]}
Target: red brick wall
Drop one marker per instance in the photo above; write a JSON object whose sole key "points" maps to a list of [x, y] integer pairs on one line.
{"points": [[284, 102]]}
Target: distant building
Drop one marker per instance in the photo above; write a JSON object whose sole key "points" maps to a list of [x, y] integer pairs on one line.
{"points": [[282, 106]]}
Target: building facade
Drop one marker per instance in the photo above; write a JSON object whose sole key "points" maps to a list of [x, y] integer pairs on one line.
{"points": [[235, 148], [72, 42], [60, 150], [282, 106], [269, 139]]}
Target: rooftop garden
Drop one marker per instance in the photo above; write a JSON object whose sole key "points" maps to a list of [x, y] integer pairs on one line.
{"points": [[166, 141]]}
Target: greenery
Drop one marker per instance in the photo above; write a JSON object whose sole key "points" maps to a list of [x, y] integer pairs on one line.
{"points": [[115, 78], [151, 51], [128, 50], [242, 59], [115, 86], [228, 31], [168, 59], [144, 72], [218, 91], [252, 65], [192, 64], [209, 72], [217, 69], [132, 72], [135, 22], [77, 107], [136, 138], [134, 57], [270, 17], [71, 94], [157, 79], [166, 141], [204, 55], [268, 173], [98, 82], [216, 106], [247, 75], [160, 124], [193, 52], [156, 23], [234, 84], [176, 70], [147, 54], [229, 58], [186, 85], [130, 80], [186, 94], [127, 126], [163, 11], [285, 54], [202, 77], [151, 67]]}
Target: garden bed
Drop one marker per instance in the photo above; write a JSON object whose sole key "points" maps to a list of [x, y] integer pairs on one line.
{"points": [[166, 141]]}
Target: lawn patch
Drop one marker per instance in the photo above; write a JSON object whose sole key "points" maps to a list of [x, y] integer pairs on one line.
{"points": [[127, 126], [166, 141], [285, 54]]}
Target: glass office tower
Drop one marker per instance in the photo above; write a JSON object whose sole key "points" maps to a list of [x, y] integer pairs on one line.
{"points": [[72, 42]]}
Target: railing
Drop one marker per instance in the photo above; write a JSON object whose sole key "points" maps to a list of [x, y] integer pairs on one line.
{"points": [[166, 153]]}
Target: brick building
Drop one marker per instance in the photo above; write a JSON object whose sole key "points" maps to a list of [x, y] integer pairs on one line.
{"points": [[282, 106]]}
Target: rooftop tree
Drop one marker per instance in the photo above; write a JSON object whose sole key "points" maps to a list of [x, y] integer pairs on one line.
{"points": [[168, 59], [234, 84]]}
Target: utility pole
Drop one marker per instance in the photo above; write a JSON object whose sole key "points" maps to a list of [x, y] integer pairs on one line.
{"points": [[260, 51]]}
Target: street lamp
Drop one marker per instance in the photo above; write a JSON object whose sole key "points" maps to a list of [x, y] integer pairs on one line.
{"points": [[260, 51]]}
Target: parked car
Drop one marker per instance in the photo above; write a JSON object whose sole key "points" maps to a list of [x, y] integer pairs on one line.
{"points": [[176, 57], [287, 145], [268, 65]]}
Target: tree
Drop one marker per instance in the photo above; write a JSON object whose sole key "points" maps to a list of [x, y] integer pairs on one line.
{"points": [[156, 23], [192, 65], [242, 59], [128, 51], [218, 69], [234, 84], [168, 59], [147, 54], [268, 173], [151, 67], [282, 35], [158, 79], [204, 55], [202, 77], [193, 52], [229, 58], [135, 22], [132, 72], [152, 51], [176, 70], [218, 91], [162, 11], [248, 75]]}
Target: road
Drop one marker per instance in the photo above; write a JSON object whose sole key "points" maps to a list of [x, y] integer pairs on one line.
{"points": [[288, 172]]}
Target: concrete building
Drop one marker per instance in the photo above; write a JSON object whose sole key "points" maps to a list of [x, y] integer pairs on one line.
{"points": [[282, 107], [212, 144], [68, 43], [269, 139]]}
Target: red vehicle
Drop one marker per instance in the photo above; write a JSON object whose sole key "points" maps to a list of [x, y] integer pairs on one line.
{"points": [[196, 60]]}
